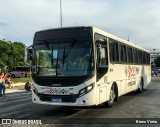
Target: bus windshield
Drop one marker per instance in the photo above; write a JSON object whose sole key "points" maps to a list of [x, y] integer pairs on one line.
{"points": [[63, 58]]}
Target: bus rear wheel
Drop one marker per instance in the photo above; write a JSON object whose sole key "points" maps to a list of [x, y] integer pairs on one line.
{"points": [[140, 89], [110, 102]]}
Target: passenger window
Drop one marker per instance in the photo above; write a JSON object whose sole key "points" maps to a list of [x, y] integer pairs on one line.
{"points": [[101, 56], [114, 51]]}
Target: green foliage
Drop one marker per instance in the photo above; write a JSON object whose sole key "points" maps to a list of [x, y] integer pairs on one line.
{"points": [[11, 54], [23, 80], [157, 61]]}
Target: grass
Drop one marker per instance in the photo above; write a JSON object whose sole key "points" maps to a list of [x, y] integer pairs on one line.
{"points": [[17, 80], [23, 80], [17, 88]]}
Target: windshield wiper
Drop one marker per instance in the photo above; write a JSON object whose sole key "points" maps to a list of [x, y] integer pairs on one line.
{"points": [[66, 53], [48, 51], [70, 48], [64, 56], [57, 62], [48, 48]]}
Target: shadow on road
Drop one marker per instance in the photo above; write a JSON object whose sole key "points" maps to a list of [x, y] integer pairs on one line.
{"points": [[60, 112]]}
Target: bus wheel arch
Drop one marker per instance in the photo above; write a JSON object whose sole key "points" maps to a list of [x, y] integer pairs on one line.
{"points": [[116, 91], [141, 85], [113, 97]]}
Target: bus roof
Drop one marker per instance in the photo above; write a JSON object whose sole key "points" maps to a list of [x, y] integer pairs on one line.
{"points": [[96, 30], [74, 27], [63, 33], [99, 31]]}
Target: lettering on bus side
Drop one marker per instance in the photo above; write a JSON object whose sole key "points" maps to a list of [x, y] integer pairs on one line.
{"points": [[131, 71], [131, 83]]}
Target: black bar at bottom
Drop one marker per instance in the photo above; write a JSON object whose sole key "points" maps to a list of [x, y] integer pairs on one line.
{"points": [[81, 121]]}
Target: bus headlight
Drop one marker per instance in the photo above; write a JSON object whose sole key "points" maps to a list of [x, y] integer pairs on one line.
{"points": [[35, 91], [86, 90]]}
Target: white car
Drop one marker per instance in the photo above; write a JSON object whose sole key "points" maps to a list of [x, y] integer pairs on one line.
{"points": [[17, 74]]}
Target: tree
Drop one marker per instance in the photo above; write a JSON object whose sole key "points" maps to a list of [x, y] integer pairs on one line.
{"points": [[11, 54], [157, 61]]}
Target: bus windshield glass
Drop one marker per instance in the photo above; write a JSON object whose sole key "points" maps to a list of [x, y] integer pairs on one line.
{"points": [[63, 58]]}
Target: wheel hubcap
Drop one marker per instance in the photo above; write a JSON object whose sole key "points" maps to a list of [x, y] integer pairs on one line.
{"points": [[112, 96]]}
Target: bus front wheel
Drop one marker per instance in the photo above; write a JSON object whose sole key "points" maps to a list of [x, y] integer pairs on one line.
{"points": [[140, 89], [112, 96]]}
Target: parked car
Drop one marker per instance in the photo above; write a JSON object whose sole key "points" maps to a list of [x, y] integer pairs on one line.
{"points": [[158, 70], [20, 72]]}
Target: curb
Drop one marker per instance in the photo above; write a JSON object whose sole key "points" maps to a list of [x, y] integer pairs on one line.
{"points": [[16, 84], [14, 91]]}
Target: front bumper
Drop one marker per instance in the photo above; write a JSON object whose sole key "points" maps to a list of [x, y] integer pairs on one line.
{"points": [[88, 99]]}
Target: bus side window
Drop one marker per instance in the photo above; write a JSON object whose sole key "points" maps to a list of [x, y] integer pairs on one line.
{"points": [[102, 61], [101, 56]]}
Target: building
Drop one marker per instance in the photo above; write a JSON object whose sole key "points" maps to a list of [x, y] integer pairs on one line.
{"points": [[154, 56]]}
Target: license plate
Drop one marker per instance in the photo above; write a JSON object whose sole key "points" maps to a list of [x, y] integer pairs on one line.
{"points": [[56, 91], [56, 100]]}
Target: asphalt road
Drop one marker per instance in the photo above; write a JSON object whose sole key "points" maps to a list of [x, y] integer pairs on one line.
{"points": [[133, 105]]}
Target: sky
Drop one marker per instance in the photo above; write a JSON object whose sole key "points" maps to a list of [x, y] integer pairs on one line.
{"points": [[137, 19]]}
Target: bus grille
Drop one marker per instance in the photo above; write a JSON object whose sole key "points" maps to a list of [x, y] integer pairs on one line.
{"points": [[64, 98]]}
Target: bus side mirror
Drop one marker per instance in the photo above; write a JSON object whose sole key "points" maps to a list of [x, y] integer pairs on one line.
{"points": [[28, 55], [101, 41]]}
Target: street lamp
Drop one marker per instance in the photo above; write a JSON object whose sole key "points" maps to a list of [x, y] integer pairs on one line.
{"points": [[61, 13], [154, 59]]}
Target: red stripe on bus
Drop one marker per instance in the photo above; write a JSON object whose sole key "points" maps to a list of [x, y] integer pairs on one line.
{"points": [[98, 84]]}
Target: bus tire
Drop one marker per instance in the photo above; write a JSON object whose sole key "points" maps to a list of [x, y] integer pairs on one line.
{"points": [[110, 102], [141, 87]]}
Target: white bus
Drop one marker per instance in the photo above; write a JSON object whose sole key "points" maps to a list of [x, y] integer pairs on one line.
{"points": [[85, 66], [20, 71]]}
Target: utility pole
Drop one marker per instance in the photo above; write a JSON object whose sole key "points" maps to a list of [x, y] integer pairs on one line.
{"points": [[154, 59], [61, 13], [128, 38]]}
